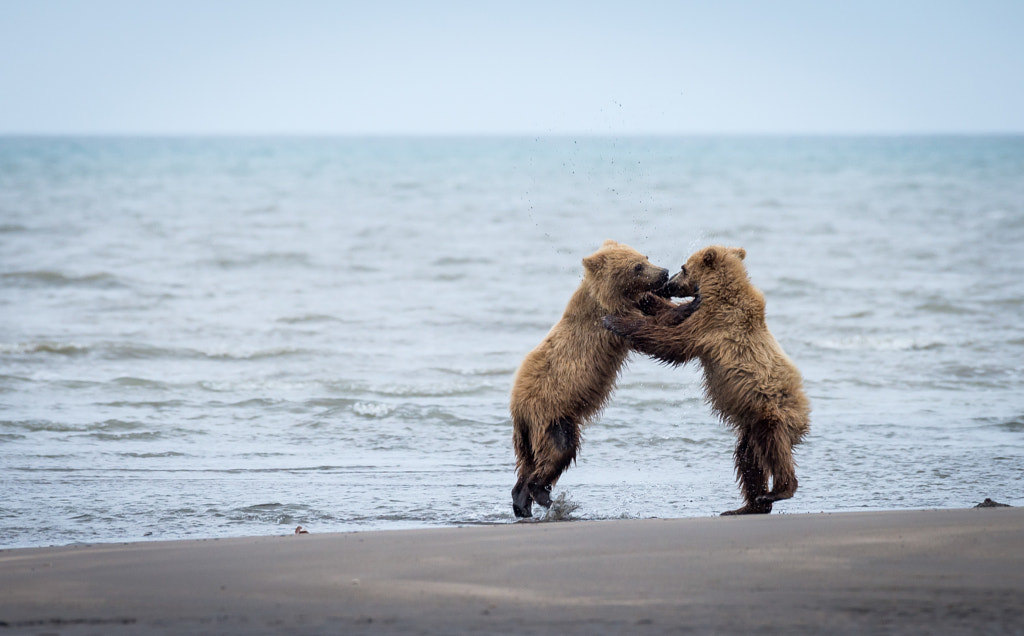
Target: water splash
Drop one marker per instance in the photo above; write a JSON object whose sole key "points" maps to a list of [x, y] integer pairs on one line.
{"points": [[561, 509]]}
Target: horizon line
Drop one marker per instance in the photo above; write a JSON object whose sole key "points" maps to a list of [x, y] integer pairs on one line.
{"points": [[506, 135]]}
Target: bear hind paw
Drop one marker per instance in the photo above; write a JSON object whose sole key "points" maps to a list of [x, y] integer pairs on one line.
{"points": [[522, 502], [522, 513], [750, 509], [541, 494]]}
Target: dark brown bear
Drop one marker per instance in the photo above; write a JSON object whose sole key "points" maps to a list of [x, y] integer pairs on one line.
{"points": [[748, 380], [565, 381]]}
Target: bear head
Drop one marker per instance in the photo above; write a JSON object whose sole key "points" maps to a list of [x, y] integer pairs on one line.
{"points": [[618, 275], [706, 265]]}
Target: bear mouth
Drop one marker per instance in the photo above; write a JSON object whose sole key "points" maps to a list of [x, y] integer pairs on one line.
{"points": [[668, 290], [672, 289]]}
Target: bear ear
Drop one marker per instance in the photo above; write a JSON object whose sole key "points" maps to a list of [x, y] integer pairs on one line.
{"points": [[609, 243], [739, 252], [709, 258], [594, 262]]}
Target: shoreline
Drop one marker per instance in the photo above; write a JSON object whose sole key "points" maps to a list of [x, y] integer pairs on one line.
{"points": [[949, 571]]}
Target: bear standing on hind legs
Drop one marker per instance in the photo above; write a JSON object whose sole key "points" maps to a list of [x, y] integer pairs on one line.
{"points": [[564, 382], [748, 380]]}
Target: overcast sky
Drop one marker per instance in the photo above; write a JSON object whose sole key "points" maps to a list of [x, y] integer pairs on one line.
{"points": [[523, 67]]}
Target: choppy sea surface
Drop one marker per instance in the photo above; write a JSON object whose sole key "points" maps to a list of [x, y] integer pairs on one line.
{"points": [[216, 337]]}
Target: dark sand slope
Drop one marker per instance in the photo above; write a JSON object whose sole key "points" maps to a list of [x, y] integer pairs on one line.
{"points": [[952, 571]]}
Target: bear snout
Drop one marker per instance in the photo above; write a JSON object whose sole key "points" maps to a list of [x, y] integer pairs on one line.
{"points": [[662, 279]]}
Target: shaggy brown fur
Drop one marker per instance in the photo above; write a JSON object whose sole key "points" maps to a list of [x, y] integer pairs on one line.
{"points": [[564, 382], [748, 380]]}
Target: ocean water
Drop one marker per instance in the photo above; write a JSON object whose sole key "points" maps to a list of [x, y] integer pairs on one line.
{"points": [[218, 337]]}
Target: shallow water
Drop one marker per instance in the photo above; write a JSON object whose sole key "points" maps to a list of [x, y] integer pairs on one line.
{"points": [[221, 337]]}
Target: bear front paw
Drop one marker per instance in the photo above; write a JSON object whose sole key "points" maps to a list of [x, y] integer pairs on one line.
{"points": [[683, 311], [610, 323], [651, 304]]}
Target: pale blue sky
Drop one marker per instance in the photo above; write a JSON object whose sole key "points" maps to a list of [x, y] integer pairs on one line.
{"points": [[387, 67]]}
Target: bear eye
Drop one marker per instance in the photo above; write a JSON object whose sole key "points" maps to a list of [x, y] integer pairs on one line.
{"points": [[639, 268], [683, 270]]}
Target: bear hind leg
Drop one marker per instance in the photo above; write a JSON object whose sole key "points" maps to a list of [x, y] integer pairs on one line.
{"points": [[522, 501], [777, 455], [783, 489], [561, 441], [784, 484], [752, 477]]}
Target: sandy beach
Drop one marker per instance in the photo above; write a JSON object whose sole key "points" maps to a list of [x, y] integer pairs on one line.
{"points": [[949, 571]]}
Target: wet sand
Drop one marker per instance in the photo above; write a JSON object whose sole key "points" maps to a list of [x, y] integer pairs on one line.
{"points": [[914, 572]]}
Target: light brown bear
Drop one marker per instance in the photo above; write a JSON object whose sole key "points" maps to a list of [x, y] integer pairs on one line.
{"points": [[748, 380], [565, 381]]}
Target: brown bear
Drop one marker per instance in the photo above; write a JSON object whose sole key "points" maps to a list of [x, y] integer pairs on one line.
{"points": [[748, 380], [564, 382]]}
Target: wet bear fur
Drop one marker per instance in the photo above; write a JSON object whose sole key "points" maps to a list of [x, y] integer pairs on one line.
{"points": [[564, 382], [748, 380]]}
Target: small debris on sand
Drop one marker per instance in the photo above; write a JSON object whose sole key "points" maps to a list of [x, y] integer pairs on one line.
{"points": [[301, 530]]}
